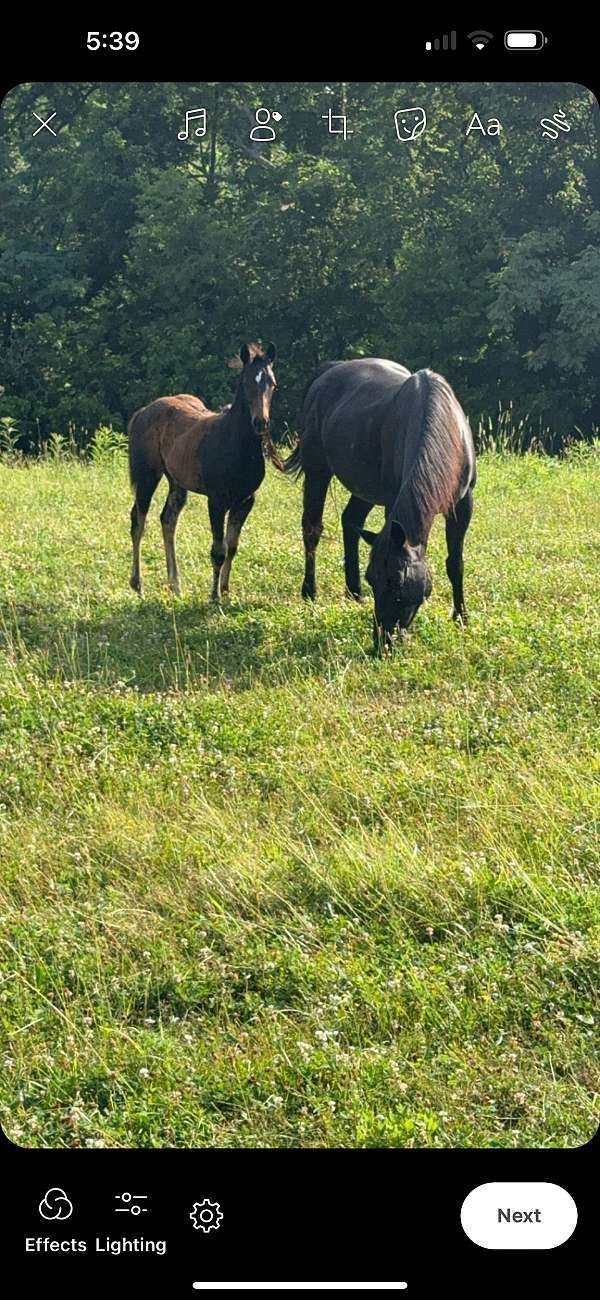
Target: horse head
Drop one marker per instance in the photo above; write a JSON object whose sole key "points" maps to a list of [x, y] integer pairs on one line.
{"points": [[258, 383], [399, 578]]}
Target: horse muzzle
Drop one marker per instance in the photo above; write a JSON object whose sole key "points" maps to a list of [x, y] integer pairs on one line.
{"points": [[260, 426]]}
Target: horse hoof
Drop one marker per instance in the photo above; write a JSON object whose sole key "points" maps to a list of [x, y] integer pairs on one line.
{"points": [[459, 616], [382, 651], [307, 594], [356, 596], [136, 586]]}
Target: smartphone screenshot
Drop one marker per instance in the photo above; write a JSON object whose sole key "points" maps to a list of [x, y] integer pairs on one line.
{"points": [[299, 658]]}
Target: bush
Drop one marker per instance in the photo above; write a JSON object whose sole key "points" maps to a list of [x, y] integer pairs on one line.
{"points": [[107, 444]]}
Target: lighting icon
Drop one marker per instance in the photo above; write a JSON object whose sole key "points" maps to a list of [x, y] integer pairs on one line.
{"points": [[129, 1204]]}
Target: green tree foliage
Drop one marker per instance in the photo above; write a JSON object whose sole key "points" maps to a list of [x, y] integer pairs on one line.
{"points": [[133, 264]]}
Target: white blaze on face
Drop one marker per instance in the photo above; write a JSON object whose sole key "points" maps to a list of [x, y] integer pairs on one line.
{"points": [[259, 375]]}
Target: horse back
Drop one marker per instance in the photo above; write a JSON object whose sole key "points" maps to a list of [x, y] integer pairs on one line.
{"points": [[170, 430], [348, 419]]}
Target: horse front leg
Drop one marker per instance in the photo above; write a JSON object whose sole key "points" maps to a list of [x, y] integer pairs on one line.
{"points": [[235, 521], [457, 523], [353, 519], [218, 550], [315, 491]]}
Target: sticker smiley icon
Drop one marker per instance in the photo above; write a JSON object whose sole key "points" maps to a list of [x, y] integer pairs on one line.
{"points": [[410, 123]]}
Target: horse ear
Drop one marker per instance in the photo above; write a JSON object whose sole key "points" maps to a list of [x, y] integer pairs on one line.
{"points": [[245, 354], [367, 536], [271, 353], [398, 534]]}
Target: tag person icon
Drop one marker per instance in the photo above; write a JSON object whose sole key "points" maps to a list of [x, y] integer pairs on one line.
{"points": [[262, 132]]}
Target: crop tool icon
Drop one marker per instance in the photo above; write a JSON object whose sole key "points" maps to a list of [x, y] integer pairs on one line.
{"points": [[206, 1215]]}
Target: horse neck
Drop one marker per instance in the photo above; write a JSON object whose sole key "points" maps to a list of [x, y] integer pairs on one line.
{"points": [[429, 455], [240, 416], [244, 444]]}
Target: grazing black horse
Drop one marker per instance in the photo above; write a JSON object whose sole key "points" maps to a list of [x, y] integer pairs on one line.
{"points": [[398, 440], [217, 454]]}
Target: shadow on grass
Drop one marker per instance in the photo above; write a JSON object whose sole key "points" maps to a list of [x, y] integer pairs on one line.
{"points": [[157, 645]]}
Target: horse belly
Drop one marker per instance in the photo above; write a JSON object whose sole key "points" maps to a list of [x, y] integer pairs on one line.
{"points": [[182, 461], [355, 459]]}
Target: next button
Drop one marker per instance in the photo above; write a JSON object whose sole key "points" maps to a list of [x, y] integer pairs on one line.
{"points": [[518, 1216]]}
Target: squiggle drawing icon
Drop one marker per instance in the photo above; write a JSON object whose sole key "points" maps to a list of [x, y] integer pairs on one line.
{"points": [[559, 120], [55, 1205]]}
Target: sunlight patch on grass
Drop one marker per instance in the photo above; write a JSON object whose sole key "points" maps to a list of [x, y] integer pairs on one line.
{"points": [[260, 889]]}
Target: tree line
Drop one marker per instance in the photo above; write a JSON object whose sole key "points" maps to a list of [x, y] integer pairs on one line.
{"points": [[133, 263]]}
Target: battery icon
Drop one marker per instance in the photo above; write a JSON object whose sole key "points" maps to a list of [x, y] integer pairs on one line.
{"points": [[524, 40]]}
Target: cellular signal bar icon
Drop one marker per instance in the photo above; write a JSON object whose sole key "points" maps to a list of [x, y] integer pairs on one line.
{"points": [[442, 42]]}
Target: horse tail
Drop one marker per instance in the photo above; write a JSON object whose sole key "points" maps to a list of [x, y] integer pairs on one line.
{"points": [[271, 453], [135, 432], [145, 466], [293, 465], [433, 422]]}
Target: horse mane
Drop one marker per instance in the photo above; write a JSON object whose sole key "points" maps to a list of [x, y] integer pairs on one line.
{"points": [[432, 419]]}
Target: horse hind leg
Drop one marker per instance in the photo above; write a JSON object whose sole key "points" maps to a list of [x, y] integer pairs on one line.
{"points": [[169, 517], [353, 519], [457, 522], [315, 491], [235, 522], [145, 488]]}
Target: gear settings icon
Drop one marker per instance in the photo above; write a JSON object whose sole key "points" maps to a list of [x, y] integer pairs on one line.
{"points": [[206, 1215]]}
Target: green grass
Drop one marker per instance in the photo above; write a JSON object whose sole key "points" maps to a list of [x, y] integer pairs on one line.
{"points": [[260, 889]]}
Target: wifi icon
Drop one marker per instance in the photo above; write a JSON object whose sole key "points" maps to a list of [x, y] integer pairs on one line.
{"points": [[480, 39]]}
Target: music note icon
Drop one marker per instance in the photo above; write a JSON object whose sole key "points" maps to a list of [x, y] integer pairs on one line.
{"points": [[193, 115]]}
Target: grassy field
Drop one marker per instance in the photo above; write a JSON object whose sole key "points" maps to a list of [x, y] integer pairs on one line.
{"points": [[260, 889]]}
